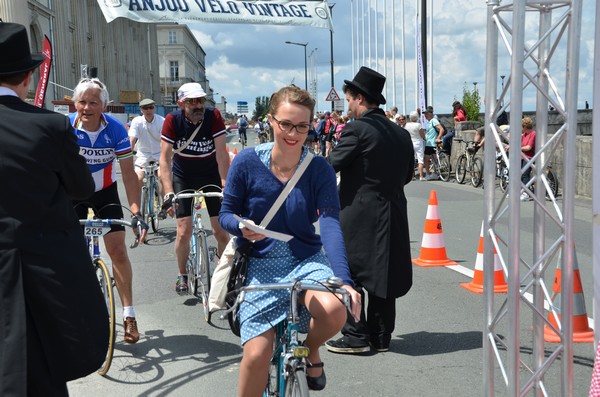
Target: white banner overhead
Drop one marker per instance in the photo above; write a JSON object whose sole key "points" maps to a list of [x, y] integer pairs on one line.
{"points": [[262, 12]]}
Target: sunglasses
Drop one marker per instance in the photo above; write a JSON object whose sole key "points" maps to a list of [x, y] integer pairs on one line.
{"points": [[194, 101]]}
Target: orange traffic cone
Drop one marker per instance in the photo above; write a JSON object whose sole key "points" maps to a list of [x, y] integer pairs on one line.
{"points": [[227, 148], [582, 333], [476, 285], [433, 250], [234, 151]]}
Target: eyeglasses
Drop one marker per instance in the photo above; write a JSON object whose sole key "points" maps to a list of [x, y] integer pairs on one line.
{"points": [[148, 107], [194, 101], [287, 127], [402, 119]]}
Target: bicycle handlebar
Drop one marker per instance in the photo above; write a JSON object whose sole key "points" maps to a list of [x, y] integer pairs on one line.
{"points": [[110, 222], [198, 194]]}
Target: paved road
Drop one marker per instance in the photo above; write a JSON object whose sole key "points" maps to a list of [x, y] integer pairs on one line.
{"points": [[436, 348]]}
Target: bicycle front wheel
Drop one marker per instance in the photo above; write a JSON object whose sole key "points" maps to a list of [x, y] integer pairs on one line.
{"points": [[192, 264], [157, 202], [296, 385], [552, 182], [106, 287], [476, 172], [444, 167], [461, 169], [203, 279]]}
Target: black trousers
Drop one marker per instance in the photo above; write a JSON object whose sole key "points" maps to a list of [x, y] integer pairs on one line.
{"points": [[375, 326]]}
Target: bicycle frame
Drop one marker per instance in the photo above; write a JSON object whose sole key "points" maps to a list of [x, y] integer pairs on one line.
{"points": [[150, 191], [289, 355]]}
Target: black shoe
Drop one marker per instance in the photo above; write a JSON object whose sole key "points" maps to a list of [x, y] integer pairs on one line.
{"points": [[342, 346], [318, 382], [380, 347]]}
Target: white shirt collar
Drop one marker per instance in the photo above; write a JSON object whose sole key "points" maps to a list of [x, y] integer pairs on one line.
{"points": [[7, 91]]}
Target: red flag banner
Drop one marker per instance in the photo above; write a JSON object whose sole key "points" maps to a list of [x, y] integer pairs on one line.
{"points": [[40, 93]]}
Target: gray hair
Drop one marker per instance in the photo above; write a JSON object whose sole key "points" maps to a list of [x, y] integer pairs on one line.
{"points": [[86, 84], [413, 116]]}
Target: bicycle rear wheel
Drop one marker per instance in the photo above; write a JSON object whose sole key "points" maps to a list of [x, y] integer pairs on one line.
{"points": [[476, 172], [144, 206], [296, 385], [444, 167], [461, 169], [106, 286], [157, 202], [503, 177]]}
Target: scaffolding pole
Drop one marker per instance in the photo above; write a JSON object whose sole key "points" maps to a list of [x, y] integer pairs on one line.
{"points": [[526, 267]]}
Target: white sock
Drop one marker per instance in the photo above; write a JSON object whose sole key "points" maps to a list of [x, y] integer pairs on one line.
{"points": [[128, 311]]}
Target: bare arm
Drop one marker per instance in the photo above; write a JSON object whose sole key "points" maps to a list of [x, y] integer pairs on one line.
{"points": [[132, 189], [222, 157]]}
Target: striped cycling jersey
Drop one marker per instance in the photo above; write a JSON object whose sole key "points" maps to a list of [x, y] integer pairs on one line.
{"points": [[198, 159], [102, 148]]}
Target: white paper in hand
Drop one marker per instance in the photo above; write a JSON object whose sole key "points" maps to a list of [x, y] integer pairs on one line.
{"points": [[262, 230]]}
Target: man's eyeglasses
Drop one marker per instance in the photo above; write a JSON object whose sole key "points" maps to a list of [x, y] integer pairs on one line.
{"points": [[287, 127], [194, 101], [148, 107]]}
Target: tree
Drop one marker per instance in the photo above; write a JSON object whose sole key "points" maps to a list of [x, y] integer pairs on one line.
{"points": [[471, 101], [261, 107]]}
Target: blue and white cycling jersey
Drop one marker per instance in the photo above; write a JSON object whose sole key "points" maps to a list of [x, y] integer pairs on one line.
{"points": [[102, 148]]}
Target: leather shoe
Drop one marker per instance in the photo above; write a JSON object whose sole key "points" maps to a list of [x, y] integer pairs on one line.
{"points": [[131, 332], [316, 382]]}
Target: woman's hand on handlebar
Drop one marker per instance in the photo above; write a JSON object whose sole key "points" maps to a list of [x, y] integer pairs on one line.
{"points": [[356, 303]]}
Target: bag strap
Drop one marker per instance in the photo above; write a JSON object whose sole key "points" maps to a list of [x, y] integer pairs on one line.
{"points": [[179, 149], [287, 189]]}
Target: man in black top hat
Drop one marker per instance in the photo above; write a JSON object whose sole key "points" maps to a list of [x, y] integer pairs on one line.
{"points": [[375, 157], [53, 320]]}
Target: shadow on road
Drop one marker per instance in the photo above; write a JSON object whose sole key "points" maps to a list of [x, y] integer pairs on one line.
{"points": [[425, 343], [162, 237]]}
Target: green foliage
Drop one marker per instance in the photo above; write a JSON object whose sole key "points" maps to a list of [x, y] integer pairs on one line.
{"points": [[472, 103], [261, 107]]}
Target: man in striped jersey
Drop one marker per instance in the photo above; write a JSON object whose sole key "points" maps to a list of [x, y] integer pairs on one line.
{"points": [[103, 140], [193, 148]]}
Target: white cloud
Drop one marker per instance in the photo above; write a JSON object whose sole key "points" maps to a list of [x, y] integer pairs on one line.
{"points": [[248, 61]]}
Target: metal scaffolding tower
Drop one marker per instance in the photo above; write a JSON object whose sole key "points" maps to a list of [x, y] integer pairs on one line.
{"points": [[527, 267]]}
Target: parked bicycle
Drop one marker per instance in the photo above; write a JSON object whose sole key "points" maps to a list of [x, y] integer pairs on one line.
{"points": [[468, 162], [287, 371], [440, 164], [201, 259], [151, 199], [93, 229]]}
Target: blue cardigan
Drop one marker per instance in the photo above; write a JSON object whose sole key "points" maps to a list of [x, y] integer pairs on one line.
{"points": [[251, 190]]}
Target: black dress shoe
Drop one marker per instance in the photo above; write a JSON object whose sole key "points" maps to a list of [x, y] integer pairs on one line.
{"points": [[317, 382]]}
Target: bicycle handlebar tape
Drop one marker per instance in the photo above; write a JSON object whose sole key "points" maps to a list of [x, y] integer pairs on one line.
{"points": [[433, 249], [582, 333], [476, 285]]}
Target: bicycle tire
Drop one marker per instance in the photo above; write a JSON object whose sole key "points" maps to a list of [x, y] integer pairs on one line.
{"points": [[461, 169], [192, 265], [503, 177], [476, 172], [157, 203], [218, 319], [106, 286], [444, 166], [203, 278], [552, 182], [144, 203], [296, 385]]}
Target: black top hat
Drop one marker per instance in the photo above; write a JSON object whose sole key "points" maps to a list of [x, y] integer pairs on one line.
{"points": [[369, 82], [14, 45]]}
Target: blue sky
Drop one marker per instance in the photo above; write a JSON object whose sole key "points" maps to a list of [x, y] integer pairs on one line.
{"points": [[246, 61]]}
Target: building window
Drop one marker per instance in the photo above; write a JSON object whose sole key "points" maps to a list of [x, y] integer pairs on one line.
{"points": [[172, 37], [174, 70]]}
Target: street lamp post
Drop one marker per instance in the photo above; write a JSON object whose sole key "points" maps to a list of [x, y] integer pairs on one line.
{"points": [[305, 64]]}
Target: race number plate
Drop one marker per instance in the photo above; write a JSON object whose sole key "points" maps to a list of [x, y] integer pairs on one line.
{"points": [[92, 230]]}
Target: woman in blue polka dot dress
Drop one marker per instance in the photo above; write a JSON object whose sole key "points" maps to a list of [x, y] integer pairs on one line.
{"points": [[256, 178]]}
